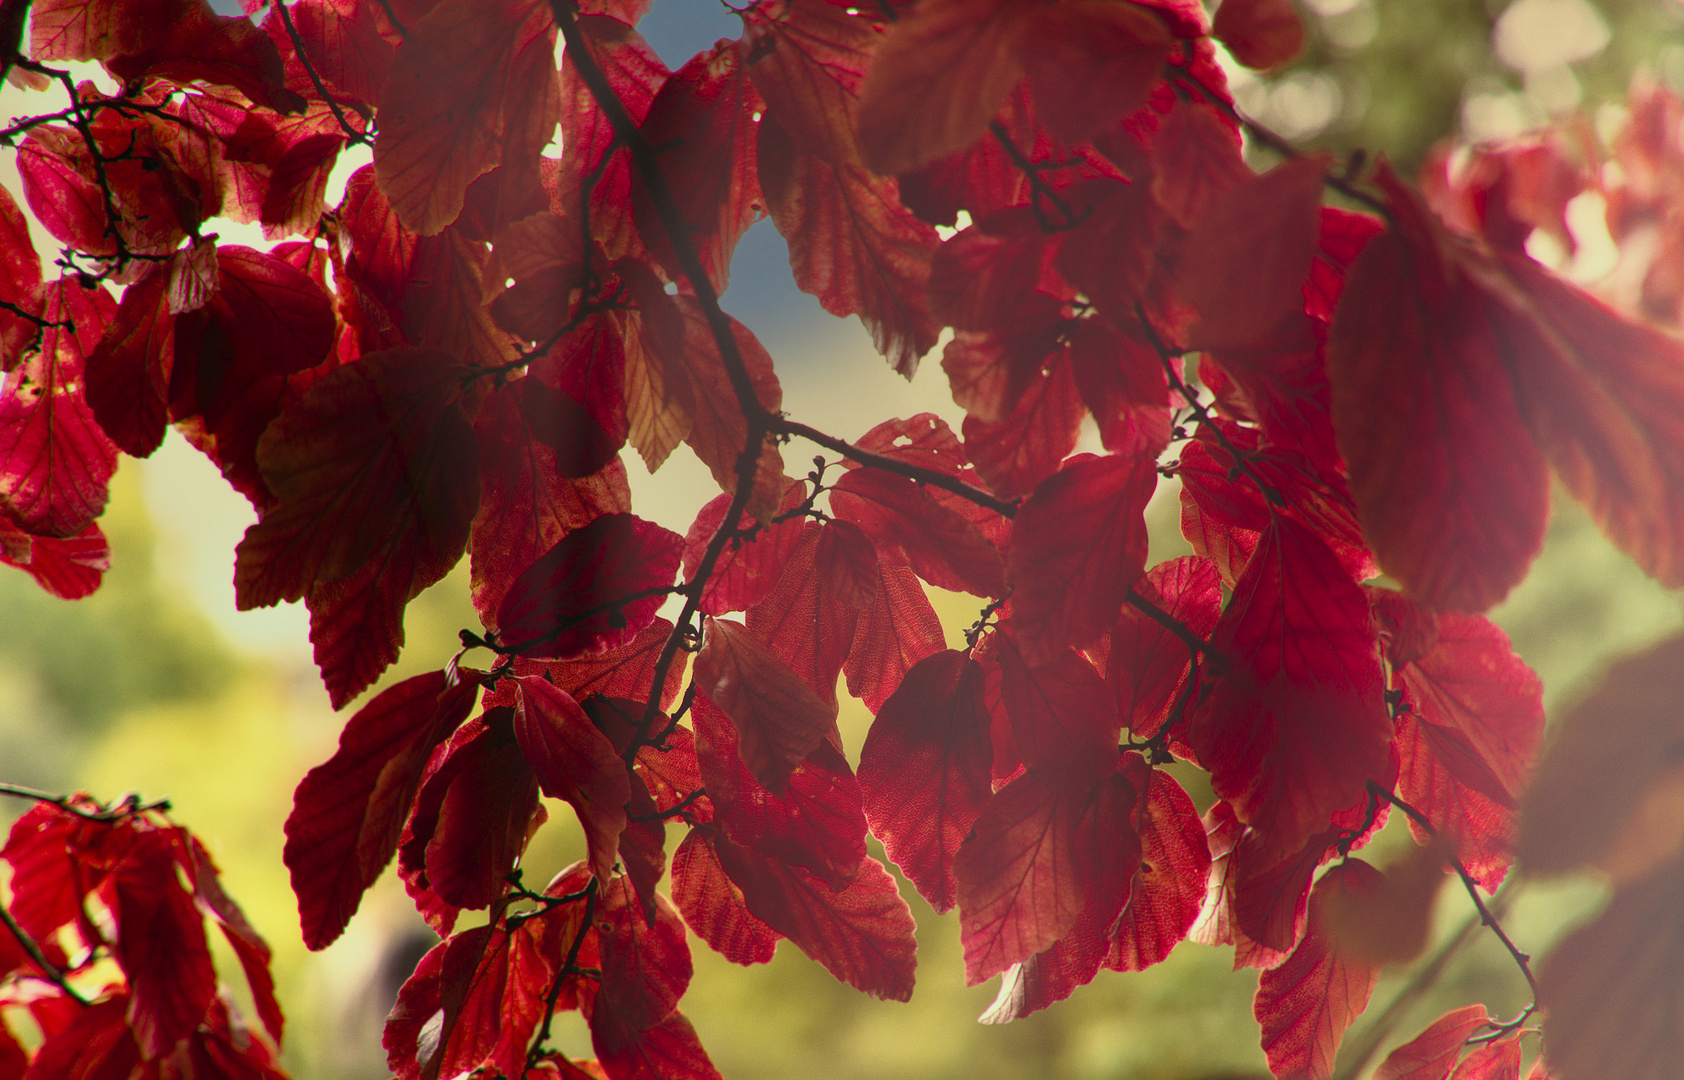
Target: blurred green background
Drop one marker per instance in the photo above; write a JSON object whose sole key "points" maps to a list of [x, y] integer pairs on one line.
{"points": [[155, 684]]}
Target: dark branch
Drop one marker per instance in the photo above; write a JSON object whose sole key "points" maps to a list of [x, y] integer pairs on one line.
{"points": [[52, 973], [784, 426], [351, 133]]}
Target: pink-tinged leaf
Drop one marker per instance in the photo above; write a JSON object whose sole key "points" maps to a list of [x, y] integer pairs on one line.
{"points": [[282, 320], [1078, 546], [1268, 891], [69, 568], [56, 171], [624, 671], [817, 822], [347, 50], [527, 503], [1145, 663], [575, 762], [1458, 515], [704, 119], [910, 527], [98, 29], [1037, 857], [900, 629], [1295, 726], [925, 770], [808, 619], [862, 934], [714, 907], [466, 83], [55, 460], [1092, 62], [1062, 716], [129, 371], [594, 590], [472, 814], [1433, 1053], [1169, 885], [669, 1051], [222, 50], [1049, 976], [160, 946], [779, 719], [349, 811], [1498, 1060], [748, 567], [718, 426], [1306, 1003]]}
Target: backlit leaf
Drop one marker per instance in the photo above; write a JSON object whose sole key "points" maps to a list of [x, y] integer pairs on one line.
{"points": [[779, 719]]}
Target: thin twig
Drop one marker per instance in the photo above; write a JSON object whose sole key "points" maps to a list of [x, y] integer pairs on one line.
{"points": [[1194, 642], [127, 806], [1039, 188], [784, 426], [1522, 960], [568, 968], [48, 969]]}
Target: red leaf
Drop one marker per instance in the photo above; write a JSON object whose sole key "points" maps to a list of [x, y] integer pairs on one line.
{"points": [[645, 964], [160, 946], [910, 526], [1019, 452], [202, 46], [704, 119], [69, 568], [622, 671], [1078, 546], [808, 620], [1307, 1002], [129, 371], [899, 630], [862, 934], [1091, 62], [347, 50], [575, 762], [1294, 727], [1611, 989], [669, 1051], [249, 947], [939, 76], [281, 320], [714, 907], [1433, 1053], [1147, 665], [527, 504], [816, 823], [1169, 885], [573, 600], [97, 1044], [748, 567], [1498, 1060], [471, 815], [20, 278], [778, 718], [718, 427], [1261, 34], [636, 75], [1455, 516], [464, 84], [1062, 717], [1036, 859], [98, 29], [55, 460], [485, 989], [925, 770], [1600, 393], [1246, 260], [1484, 830]]}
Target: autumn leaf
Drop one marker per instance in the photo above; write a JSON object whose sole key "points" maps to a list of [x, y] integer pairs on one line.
{"points": [[575, 762], [779, 719]]}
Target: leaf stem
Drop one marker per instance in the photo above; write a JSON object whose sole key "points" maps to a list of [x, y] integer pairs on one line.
{"points": [[51, 972], [782, 425]]}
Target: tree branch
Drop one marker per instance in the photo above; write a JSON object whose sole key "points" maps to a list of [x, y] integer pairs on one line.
{"points": [[351, 133], [782, 425], [52, 973]]}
